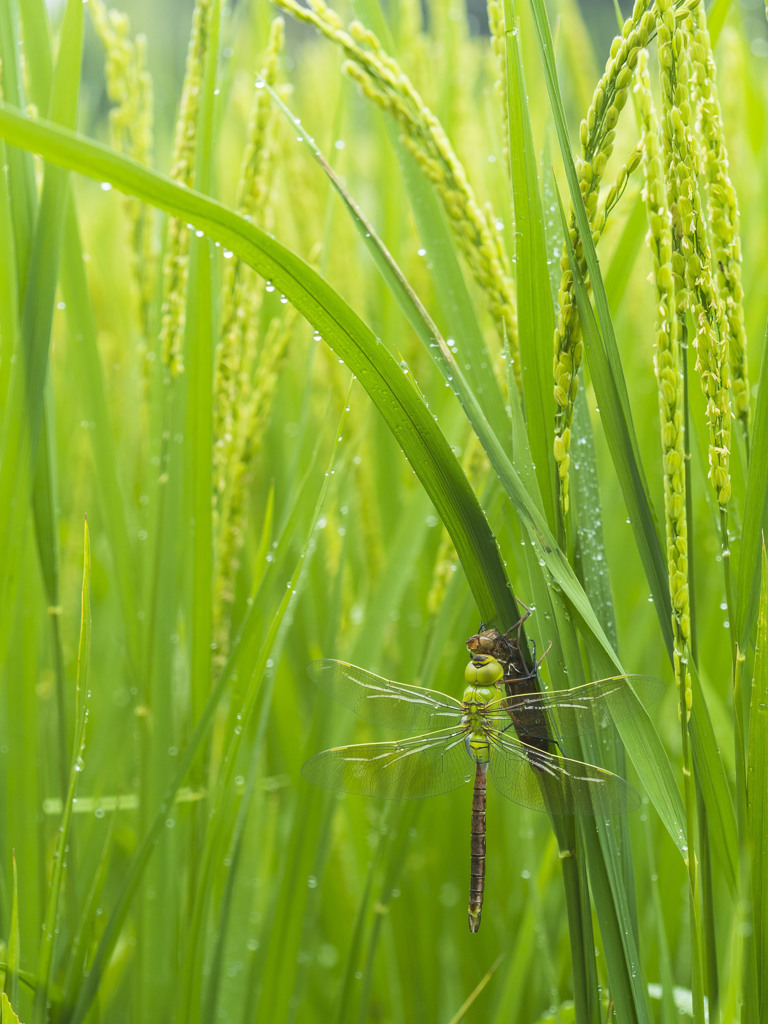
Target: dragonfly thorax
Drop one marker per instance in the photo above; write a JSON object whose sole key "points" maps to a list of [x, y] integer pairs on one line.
{"points": [[481, 674]]}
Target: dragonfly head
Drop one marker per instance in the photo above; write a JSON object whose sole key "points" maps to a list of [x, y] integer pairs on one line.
{"points": [[483, 670], [482, 641]]}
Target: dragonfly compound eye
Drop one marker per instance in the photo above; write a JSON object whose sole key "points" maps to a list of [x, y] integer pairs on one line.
{"points": [[483, 670]]}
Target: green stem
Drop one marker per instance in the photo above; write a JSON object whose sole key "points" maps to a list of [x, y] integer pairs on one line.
{"points": [[746, 925], [689, 797], [709, 934], [693, 642], [726, 553], [682, 682], [585, 1001]]}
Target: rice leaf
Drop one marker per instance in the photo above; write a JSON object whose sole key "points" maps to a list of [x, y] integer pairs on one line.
{"points": [[757, 788], [604, 358], [397, 399], [536, 320], [11, 980], [45, 960], [747, 591]]}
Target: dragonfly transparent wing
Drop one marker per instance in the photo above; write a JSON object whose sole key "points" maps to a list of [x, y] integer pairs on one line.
{"points": [[582, 709], [400, 770], [384, 701], [548, 782]]}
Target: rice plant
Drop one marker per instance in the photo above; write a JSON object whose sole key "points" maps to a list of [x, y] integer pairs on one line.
{"points": [[402, 323]]}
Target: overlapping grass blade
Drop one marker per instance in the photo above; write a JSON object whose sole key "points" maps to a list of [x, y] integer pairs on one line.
{"points": [[38, 52], [647, 755], [535, 314], [211, 992], [111, 514], [412, 426], [610, 390], [395, 850], [396, 398], [44, 487], [199, 359], [246, 661], [755, 507], [77, 952], [521, 495], [257, 687], [13, 962], [445, 270], [713, 782], [50, 930], [604, 359], [44, 504], [757, 785], [37, 277], [20, 169], [9, 309], [591, 553]]}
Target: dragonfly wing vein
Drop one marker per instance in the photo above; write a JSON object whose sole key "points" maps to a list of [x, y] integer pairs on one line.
{"points": [[550, 782], [384, 701], [581, 710], [407, 769]]}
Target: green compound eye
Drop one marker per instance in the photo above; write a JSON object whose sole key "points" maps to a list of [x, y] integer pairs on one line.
{"points": [[483, 670]]}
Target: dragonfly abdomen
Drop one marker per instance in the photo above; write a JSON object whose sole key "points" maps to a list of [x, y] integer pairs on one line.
{"points": [[477, 848]]}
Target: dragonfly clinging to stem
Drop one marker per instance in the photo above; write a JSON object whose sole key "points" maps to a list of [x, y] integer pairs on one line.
{"points": [[507, 736]]}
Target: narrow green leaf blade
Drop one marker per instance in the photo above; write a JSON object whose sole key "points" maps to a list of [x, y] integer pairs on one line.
{"points": [[604, 358], [24, 413], [755, 507], [391, 391], [397, 400], [11, 982], [757, 787], [620, 435], [535, 314], [45, 960]]}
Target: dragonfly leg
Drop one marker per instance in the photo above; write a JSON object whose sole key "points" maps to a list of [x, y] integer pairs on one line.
{"points": [[519, 624], [477, 848], [541, 659], [537, 663]]}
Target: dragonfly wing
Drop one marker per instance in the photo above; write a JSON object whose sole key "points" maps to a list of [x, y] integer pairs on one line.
{"points": [[582, 709], [548, 782], [400, 770], [384, 701]]}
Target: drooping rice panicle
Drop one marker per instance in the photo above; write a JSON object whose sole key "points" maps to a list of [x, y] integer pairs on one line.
{"points": [[129, 88], [722, 210], [499, 46], [257, 391], [382, 80], [669, 375], [679, 164], [692, 257], [176, 261], [247, 365], [241, 293], [597, 135]]}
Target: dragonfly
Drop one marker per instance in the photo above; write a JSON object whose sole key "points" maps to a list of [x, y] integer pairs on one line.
{"points": [[478, 737]]}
